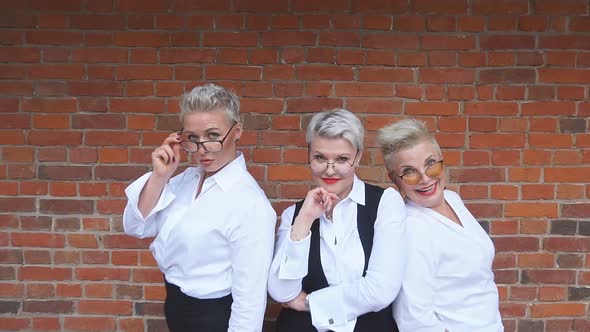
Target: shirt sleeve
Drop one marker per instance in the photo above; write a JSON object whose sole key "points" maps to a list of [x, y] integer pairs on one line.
{"points": [[379, 287], [251, 246], [289, 265], [414, 307], [134, 223]]}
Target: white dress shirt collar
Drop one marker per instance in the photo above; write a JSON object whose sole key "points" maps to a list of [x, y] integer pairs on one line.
{"points": [[228, 174], [357, 193]]}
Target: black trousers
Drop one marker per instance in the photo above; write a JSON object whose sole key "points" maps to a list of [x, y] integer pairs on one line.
{"points": [[290, 320], [188, 314]]}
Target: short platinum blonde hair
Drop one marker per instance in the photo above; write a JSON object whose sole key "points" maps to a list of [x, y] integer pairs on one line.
{"points": [[210, 97], [401, 135], [337, 123]]}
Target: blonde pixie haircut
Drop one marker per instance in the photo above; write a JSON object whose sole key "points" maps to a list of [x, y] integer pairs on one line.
{"points": [[211, 97], [402, 135]]}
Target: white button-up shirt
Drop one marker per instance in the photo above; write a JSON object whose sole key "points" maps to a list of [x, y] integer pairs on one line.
{"points": [[449, 282], [217, 244], [349, 294]]}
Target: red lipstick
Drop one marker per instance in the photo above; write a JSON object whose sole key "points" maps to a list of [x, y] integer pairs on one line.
{"points": [[330, 180]]}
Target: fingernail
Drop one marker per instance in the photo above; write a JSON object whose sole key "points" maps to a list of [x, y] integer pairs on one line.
{"points": [[174, 159]]}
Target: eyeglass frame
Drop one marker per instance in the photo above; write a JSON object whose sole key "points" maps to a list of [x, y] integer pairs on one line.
{"points": [[332, 163], [421, 174], [202, 143]]}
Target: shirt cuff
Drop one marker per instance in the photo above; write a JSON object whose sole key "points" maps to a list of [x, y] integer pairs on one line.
{"points": [[134, 190], [327, 309], [295, 258]]}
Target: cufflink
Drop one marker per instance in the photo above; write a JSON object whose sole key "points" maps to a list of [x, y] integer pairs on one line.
{"points": [[330, 321]]}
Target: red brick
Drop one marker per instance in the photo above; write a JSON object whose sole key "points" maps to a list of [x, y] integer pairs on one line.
{"points": [[234, 72], [44, 37], [314, 6], [563, 75], [530, 210], [495, 42], [569, 191], [291, 38], [506, 157], [481, 124], [532, 226], [364, 89], [504, 192], [432, 108], [46, 323], [65, 105], [17, 204], [523, 293], [558, 309], [17, 154], [549, 293], [501, 23], [144, 72], [491, 108], [66, 206], [371, 105], [441, 75], [288, 173], [497, 141], [550, 140], [436, 7], [314, 72], [384, 74], [507, 76], [96, 88], [513, 309], [44, 273], [573, 7], [503, 7], [89, 323], [549, 108], [325, 55], [63, 189], [41, 291], [120, 308], [9, 188], [389, 7], [390, 41], [504, 227], [51, 121], [145, 39], [536, 260], [311, 104]]}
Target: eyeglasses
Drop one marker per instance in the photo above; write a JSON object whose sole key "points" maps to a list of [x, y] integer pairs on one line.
{"points": [[433, 170], [341, 165], [209, 146]]}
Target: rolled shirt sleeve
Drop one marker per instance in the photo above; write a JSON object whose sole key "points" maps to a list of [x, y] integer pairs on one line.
{"points": [[134, 223]]}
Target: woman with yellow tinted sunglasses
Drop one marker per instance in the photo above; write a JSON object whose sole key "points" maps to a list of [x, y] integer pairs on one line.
{"points": [[449, 284]]}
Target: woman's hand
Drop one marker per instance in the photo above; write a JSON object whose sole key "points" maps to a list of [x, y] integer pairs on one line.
{"points": [[317, 202], [166, 157], [297, 303]]}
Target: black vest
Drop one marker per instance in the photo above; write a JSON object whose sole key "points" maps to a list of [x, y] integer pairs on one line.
{"points": [[290, 320]]}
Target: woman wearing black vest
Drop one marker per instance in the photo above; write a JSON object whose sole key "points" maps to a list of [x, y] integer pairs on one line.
{"points": [[340, 255]]}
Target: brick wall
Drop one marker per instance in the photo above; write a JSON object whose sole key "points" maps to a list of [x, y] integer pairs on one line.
{"points": [[89, 87]]}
